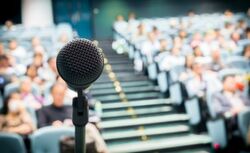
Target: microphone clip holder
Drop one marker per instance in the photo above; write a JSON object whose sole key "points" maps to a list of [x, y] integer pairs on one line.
{"points": [[80, 111]]}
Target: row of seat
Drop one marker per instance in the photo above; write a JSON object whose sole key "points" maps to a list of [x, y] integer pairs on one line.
{"points": [[43, 140]]}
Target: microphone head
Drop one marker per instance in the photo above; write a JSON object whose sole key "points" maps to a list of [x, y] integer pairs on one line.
{"points": [[79, 63]]}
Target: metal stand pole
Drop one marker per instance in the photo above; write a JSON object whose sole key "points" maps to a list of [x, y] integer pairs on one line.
{"points": [[80, 119]]}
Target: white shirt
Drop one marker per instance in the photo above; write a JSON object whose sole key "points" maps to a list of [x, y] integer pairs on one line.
{"points": [[234, 100]]}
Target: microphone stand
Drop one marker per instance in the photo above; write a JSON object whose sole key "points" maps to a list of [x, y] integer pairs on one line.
{"points": [[80, 119]]}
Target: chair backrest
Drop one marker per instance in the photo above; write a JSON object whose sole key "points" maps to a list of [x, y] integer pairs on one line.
{"points": [[10, 88], [192, 108], [162, 80], [244, 123], [237, 62], [14, 87], [176, 93], [217, 131], [152, 71], [11, 143], [47, 139]]}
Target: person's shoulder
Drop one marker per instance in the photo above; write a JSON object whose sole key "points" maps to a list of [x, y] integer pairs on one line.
{"points": [[45, 108], [218, 95]]}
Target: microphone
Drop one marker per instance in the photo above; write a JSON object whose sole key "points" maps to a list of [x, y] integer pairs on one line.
{"points": [[80, 62]]}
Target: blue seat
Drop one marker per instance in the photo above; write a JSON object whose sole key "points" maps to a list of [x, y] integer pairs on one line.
{"points": [[10, 88], [152, 71], [47, 139], [192, 108], [217, 131], [11, 143], [238, 62], [162, 80], [14, 87], [176, 93], [244, 123]]}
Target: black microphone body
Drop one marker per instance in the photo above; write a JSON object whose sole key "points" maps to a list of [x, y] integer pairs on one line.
{"points": [[80, 62]]}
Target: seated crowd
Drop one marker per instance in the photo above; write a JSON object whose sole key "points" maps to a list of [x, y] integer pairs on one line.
{"points": [[32, 94], [209, 53]]}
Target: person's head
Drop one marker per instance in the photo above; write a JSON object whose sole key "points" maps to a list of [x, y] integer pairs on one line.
{"points": [[175, 51], [235, 36], [228, 13], [13, 44], [35, 41], [242, 24], [197, 51], [119, 18], [31, 71], [151, 37], [52, 63], [215, 55], [182, 34], [155, 31], [4, 62], [191, 13], [228, 25], [131, 16], [246, 52], [26, 86], [189, 60], [197, 68], [58, 91], [163, 44], [8, 24], [38, 56], [13, 104], [229, 83], [141, 28]]}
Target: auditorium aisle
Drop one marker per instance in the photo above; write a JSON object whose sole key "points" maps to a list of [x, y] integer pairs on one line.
{"points": [[136, 117]]}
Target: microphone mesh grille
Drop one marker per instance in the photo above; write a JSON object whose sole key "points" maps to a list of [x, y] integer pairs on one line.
{"points": [[80, 62]]}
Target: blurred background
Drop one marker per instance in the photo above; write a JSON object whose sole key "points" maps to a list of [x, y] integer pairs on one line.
{"points": [[176, 76]]}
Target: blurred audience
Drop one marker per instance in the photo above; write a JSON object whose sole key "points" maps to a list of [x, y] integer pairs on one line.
{"points": [[28, 97], [56, 114], [15, 118], [229, 101]]}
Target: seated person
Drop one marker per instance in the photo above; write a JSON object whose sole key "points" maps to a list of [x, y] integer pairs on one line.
{"points": [[196, 85], [217, 63], [57, 114], [31, 100], [229, 101], [15, 118], [18, 52]]}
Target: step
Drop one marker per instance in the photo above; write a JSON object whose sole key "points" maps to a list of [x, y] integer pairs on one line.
{"points": [[123, 84], [166, 144], [121, 78], [148, 132], [129, 65], [143, 121], [136, 104], [120, 62], [129, 96], [117, 114], [126, 90]]}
